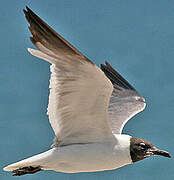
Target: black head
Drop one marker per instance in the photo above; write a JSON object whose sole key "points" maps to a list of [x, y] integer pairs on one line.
{"points": [[141, 149]]}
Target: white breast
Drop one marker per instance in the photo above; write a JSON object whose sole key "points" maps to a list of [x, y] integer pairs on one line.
{"points": [[90, 157]]}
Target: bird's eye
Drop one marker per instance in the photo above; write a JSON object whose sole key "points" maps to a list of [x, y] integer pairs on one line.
{"points": [[143, 145]]}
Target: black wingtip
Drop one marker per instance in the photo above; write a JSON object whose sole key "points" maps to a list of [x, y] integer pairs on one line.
{"points": [[106, 62], [115, 77], [24, 10], [28, 9]]}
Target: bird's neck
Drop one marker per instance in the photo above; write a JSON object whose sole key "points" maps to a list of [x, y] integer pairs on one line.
{"points": [[122, 146]]}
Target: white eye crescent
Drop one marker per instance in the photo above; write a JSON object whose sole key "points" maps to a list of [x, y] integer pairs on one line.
{"points": [[142, 144]]}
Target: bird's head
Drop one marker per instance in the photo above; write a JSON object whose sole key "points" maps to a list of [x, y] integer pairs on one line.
{"points": [[141, 149]]}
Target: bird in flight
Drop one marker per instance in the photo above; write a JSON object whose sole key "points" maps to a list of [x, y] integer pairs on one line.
{"points": [[88, 108]]}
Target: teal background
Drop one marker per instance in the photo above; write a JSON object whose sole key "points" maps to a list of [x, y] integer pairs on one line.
{"points": [[136, 37]]}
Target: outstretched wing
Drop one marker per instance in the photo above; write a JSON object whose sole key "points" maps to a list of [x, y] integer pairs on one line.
{"points": [[125, 102], [79, 90]]}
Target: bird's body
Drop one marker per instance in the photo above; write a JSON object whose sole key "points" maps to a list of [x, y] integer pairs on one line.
{"points": [[88, 108], [90, 157]]}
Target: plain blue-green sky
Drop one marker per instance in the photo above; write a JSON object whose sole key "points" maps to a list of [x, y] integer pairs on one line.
{"points": [[136, 37]]}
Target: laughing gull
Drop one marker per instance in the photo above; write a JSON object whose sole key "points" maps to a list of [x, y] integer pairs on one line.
{"points": [[88, 108]]}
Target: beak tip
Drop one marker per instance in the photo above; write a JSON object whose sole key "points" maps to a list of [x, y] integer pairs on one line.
{"points": [[169, 156], [163, 153]]}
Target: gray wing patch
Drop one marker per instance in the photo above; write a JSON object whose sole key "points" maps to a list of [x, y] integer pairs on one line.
{"points": [[125, 101]]}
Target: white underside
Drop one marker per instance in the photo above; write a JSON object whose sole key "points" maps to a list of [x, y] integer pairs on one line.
{"points": [[81, 157]]}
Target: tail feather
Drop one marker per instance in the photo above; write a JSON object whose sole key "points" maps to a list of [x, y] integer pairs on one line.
{"points": [[20, 164], [40, 160], [34, 161]]}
